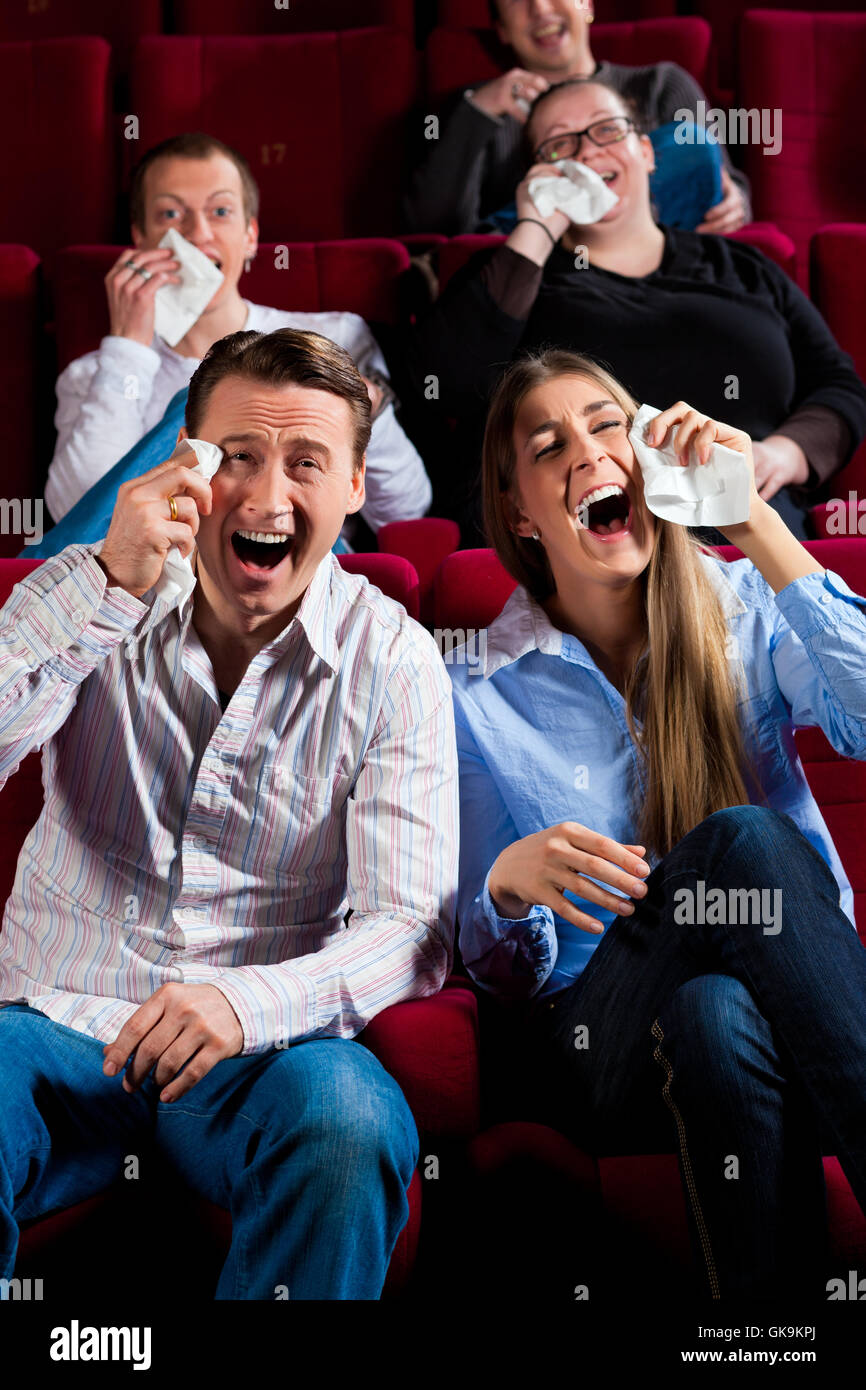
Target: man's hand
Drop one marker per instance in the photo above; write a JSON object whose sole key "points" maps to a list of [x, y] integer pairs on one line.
{"points": [[511, 94], [729, 214], [131, 293], [189, 1026], [778, 462], [142, 531]]}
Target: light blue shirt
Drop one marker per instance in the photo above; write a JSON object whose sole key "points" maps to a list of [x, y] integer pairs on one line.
{"points": [[542, 738]]}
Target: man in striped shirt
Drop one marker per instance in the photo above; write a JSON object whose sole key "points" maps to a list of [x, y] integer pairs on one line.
{"points": [[248, 844]]}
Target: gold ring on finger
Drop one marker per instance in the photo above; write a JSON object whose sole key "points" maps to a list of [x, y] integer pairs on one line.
{"points": [[172, 507]]}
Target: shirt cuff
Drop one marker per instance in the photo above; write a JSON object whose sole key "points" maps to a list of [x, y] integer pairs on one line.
{"points": [[276, 1005], [512, 281], [825, 439], [530, 938], [808, 604]]}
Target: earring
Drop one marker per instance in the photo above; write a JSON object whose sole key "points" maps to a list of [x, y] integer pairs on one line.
{"points": [[535, 536], [248, 264]]}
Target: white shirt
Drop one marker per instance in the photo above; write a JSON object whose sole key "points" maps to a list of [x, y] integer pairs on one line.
{"points": [[107, 401], [181, 843]]}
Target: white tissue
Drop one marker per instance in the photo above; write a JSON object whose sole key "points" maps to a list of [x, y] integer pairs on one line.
{"points": [[178, 306], [715, 493], [577, 191], [177, 579]]}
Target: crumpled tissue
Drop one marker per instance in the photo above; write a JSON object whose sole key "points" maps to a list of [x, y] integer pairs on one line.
{"points": [[715, 493], [177, 580], [178, 306], [578, 191]]}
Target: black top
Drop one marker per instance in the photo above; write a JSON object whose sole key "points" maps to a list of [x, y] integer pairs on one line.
{"points": [[224, 699], [718, 325]]}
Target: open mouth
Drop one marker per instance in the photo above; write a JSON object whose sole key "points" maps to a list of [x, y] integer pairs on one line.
{"points": [[606, 511], [260, 551], [550, 33], [610, 176]]}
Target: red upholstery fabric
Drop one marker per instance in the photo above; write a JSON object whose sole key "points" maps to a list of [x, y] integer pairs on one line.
{"points": [[463, 57], [474, 14], [296, 17], [325, 135], [809, 66], [53, 103], [838, 287], [390, 573], [19, 348], [120, 24], [359, 277], [772, 242], [470, 589], [424, 543], [725, 17]]}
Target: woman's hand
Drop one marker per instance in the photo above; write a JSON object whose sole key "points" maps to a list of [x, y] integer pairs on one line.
{"points": [[778, 462], [512, 94], [529, 240], [538, 869], [131, 292], [693, 436]]}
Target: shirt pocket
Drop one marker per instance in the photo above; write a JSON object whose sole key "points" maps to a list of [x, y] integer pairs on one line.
{"points": [[299, 822]]}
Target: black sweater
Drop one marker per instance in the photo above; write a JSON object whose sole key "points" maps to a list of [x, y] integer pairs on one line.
{"points": [[716, 309]]}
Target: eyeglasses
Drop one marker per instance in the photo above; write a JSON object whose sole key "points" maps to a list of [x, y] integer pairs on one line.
{"points": [[567, 145]]}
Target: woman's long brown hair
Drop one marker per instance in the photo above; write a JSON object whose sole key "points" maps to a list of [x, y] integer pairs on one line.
{"points": [[690, 745]]}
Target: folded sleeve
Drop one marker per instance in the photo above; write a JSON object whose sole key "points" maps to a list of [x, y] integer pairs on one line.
{"points": [[819, 656]]}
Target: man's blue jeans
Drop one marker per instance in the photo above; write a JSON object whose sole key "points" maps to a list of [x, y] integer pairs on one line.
{"points": [[311, 1148], [740, 1047]]}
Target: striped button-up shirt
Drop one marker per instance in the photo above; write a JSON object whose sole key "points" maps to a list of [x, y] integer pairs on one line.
{"points": [[298, 851]]}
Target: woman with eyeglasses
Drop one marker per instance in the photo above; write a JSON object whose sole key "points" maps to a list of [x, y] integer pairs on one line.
{"points": [[647, 885], [673, 313]]}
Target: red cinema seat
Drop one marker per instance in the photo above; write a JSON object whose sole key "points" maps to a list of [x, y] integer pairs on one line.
{"points": [[325, 135], [20, 319], [424, 542], [359, 277], [774, 244], [121, 25], [726, 16], [838, 287], [56, 162], [467, 57], [429, 1045], [292, 16], [810, 68], [474, 14]]}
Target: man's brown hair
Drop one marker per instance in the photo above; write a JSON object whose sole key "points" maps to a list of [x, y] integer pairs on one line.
{"points": [[194, 145], [284, 357]]}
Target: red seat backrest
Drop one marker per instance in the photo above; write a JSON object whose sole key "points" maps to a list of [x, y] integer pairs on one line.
{"points": [[20, 321], [725, 16], [838, 286], [467, 57], [21, 797], [424, 542], [325, 134], [472, 587], [292, 17], [359, 277], [809, 67], [56, 161], [120, 24], [474, 14]]}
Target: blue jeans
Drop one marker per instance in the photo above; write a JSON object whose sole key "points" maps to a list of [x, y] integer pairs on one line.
{"points": [[741, 1047], [311, 1149]]}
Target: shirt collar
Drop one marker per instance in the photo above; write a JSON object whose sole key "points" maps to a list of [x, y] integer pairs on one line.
{"points": [[315, 616], [523, 626]]}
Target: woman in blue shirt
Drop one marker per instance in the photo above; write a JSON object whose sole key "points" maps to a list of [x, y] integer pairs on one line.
{"points": [[627, 762]]}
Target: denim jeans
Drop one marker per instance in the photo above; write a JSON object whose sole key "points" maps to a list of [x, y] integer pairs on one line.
{"points": [[739, 1044], [311, 1148]]}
